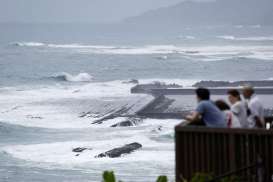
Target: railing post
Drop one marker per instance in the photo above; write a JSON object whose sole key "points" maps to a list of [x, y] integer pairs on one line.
{"points": [[260, 169], [232, 151]]}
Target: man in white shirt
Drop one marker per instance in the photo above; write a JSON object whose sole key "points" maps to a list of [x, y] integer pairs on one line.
{"points": [[256, 109]]}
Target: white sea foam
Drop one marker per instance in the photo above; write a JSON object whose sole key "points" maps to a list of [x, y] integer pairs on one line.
{"points": [[81, 77], [200, 53], [227, 37], [61, 152], [61, 106], [257, 38], [239, 26], [255, 26], [29, 44], [187, 37], [182, 82], [260, 38]]}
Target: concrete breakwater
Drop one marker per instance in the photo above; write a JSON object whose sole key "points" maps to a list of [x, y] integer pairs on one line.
{"points": [[169, 100], [216, 87]]}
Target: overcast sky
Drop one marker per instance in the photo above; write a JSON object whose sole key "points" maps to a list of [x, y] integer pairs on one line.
{"points": [[75, 10]]}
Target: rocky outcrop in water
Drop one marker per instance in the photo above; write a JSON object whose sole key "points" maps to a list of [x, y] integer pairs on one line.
{"points": [[117, 152], [129, 122], [133, 81], [79, 150]]}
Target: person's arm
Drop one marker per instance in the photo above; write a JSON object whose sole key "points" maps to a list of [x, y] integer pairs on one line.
{"points": [[235, 109], [259, 122], [194, 117], [254, 107]]}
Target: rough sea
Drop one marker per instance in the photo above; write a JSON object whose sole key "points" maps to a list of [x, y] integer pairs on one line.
{"points": [[55, 80]]}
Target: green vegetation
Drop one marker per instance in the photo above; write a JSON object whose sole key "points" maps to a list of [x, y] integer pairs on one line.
{"points": [[162, 179], [109, 176]]}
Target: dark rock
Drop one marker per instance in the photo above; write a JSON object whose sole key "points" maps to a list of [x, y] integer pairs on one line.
{"points": [[129, 122], [80, 149], [117, 152], [159, 128], [192, 52], [34, 117], [90, 115], [134, 81]]}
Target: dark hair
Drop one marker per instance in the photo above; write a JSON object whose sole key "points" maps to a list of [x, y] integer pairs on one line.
{"points": [[234, 93], [203, 93], [222, 105]]}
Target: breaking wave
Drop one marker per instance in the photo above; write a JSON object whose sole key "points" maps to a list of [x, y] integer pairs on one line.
{"points": [[28, 44], [200, 53], [258, 38], [81, 77]]}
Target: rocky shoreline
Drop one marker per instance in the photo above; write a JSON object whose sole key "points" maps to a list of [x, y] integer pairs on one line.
{"points": [[161, 107]]}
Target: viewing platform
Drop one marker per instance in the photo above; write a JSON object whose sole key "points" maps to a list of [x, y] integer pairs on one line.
{"points": [[244, 153]]}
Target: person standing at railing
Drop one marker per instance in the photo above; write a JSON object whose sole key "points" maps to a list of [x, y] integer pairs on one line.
{"points": [[206, 111], [238, 107], [231, 120], [255, 108]]}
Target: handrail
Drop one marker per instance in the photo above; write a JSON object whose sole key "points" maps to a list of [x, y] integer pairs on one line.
{"points": [[223, 152]]}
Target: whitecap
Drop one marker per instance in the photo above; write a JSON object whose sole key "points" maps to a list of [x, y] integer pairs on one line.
{"points": [[255, 38], [202, 53], [29, 44], [61, 152], [226, 37], [60, 106], [81, 77], [187, 37]]}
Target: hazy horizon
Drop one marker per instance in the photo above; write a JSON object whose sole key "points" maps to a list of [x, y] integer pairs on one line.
{"points": [[69, 11]]}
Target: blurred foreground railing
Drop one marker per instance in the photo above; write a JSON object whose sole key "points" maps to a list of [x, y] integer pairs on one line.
{"points": [[222, 152]]}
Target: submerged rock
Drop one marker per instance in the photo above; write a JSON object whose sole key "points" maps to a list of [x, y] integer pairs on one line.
{"points": [[117, 152], [129, 122], [133, 81], [80, 149], [33, 117]]}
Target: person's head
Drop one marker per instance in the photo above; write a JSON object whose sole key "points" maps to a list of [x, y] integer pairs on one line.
{"points": [[248, 91], [222, 105], [234, 96], [202, 94]]}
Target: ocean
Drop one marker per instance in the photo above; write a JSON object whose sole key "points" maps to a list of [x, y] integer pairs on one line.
{"points": [[55, 80]]}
